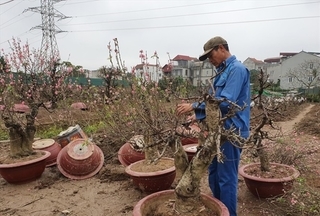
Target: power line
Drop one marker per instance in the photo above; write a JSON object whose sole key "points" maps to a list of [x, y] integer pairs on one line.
{"points": [[153, 9], [202, 24], [6, 2], [12, 6], [195, 14]]}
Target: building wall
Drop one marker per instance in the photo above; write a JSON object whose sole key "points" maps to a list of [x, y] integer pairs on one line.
{"points": [[150, 72], [280, 71]]}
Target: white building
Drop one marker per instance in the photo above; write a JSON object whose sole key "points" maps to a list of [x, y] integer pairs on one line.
{"points": [[149, 72], [292, 69]]}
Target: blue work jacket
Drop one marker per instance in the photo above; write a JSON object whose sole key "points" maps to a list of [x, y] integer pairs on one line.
{"points": [[232, 83]]}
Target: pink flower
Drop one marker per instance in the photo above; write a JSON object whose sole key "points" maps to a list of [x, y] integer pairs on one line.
{"points": [[293, 201]]}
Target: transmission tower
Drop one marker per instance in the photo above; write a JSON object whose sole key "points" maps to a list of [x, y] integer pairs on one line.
{"points": [[49, 46]]}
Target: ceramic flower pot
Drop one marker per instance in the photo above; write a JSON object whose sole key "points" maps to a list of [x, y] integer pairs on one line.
{"points": [[268, 187], [190, 140], [72, 133], [48, 145], [80, 159], [26, 171], [191, 150], [21, 108], [128, 155], [79, 105], [148, 204], [152, 181]]}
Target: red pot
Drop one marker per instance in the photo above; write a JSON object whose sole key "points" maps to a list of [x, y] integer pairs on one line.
{"points": [[150, 202], [128, 155], [48, 145], [21, 108], [190, 140], [26, 171], [152, 181], [268, 187], [79, 105], [191, 150], [80, 159]]}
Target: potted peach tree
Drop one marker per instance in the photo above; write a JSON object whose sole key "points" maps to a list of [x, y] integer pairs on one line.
{"points": [[266, 179], [26, 78]]}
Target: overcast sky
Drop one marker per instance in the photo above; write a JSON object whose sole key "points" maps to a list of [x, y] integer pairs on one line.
{"points": [[253, 28]]}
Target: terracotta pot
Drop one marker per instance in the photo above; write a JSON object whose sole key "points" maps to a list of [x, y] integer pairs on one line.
{"points": [[79, 105], [268, 187], [72, 133], [191, 150], [152, 181], [48, 145], [21, 108], [128, 155], [190, 140], [148, 204], [80, 159], [26, 171]]}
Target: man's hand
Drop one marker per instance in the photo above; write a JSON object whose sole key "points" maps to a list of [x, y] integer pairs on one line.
{"points": [[183, 108]]}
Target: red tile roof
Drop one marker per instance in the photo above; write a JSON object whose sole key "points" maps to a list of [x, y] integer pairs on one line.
{"points": [[183, 58], [288, 54], [167, 68], [274, 59], [256, 61]]}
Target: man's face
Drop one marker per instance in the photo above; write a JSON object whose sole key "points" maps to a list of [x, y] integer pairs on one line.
{"points": [[216, 56]]}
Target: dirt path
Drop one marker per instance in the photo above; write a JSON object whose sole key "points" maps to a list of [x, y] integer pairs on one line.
{"points": [[288, 126]]}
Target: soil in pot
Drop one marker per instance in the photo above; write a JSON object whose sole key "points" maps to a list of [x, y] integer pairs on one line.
{"points": [[152, 177], [162, 204], [276, 182]]}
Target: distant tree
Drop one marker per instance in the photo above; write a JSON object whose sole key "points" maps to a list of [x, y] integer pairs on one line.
{"points": [[254, 78], [306, 75]]}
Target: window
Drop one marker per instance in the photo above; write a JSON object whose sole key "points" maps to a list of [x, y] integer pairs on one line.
{"points": [[186, 73], [310, 78], [311, 65], [290, 79]]}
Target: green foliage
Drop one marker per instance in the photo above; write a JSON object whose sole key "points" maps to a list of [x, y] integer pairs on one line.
{"points": [[49, 132], [4, 134], [94, 127]]}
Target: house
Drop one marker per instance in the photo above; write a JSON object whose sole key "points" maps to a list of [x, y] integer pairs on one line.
{"points": [[254, 64], [150, 72], [293, 69], [189, 68]]}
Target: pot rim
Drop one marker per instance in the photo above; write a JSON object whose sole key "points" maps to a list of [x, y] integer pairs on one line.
{"points": [[146, 174], [295, 174], [137, 207], [24, 163]]}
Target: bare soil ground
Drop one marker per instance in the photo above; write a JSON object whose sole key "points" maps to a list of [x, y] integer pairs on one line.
{"points": [[111, 192]]}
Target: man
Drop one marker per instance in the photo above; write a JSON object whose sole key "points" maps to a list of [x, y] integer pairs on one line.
{"points": [[233, 83]]}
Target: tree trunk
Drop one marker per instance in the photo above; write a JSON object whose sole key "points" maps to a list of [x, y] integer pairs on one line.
{"points": [[188, 189], [21, 139], [263, 156]]}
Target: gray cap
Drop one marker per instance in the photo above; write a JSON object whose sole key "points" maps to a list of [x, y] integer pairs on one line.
{"points": [[208, 47]]}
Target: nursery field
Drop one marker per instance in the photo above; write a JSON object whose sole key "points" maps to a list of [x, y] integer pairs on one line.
{"points": [[111, 193]]}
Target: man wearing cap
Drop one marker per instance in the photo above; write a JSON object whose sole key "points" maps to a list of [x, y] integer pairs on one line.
{"points": [[233, 83]]}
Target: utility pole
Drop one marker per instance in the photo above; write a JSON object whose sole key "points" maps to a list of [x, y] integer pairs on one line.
{"points": [[49, 46]]}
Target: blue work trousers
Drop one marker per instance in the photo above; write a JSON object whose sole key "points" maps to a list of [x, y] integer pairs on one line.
{"points": [[223, 177]]}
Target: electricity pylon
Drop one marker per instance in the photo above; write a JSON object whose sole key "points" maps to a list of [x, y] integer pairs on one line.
{"points": [[49, 46]]}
